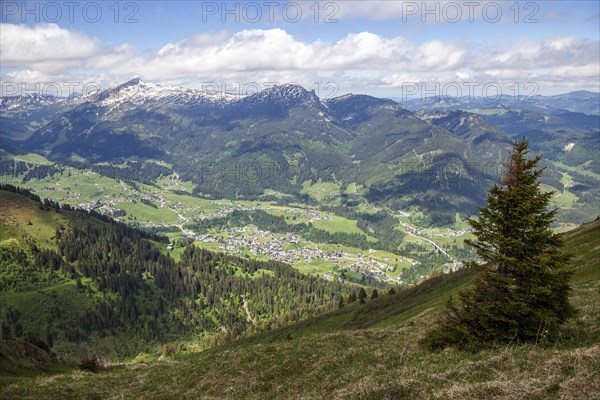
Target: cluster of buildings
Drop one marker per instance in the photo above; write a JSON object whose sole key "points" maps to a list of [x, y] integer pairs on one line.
{"points": [[422, 232], [259, 242], [269, 244], [309, 214]]}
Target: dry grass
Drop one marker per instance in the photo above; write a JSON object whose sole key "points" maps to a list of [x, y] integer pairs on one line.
{"points": [[370, 364]]}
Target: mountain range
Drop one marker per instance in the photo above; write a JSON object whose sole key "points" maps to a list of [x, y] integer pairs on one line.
{"points": [[442, 157]]}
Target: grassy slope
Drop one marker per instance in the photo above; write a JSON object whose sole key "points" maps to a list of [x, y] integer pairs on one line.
{"points": [[20, 217], [584, 244], [365, 352], [22, 358]]}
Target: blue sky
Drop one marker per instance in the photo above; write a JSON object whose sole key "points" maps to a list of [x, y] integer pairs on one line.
{"points": [[374, 47]]}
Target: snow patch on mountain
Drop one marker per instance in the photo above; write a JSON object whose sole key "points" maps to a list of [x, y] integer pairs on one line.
{"points": [[138, 93]]}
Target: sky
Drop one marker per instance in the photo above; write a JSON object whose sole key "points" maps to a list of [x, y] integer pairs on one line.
{"points": [[381, 48]]}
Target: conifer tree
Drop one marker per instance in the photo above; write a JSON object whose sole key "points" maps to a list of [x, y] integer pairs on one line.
{"points": [[352, 297], [362, 295], [521, 292]]}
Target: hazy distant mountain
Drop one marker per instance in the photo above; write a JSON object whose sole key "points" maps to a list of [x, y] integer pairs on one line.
{"points": [[580, 102]]}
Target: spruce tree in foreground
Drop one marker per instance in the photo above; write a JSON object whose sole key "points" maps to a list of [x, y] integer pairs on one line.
{"points": [[521, 292]]}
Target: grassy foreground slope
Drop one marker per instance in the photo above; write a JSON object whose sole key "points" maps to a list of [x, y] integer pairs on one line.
{"points": [[364, 352]]}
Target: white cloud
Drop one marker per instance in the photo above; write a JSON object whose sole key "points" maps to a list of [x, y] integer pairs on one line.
{"points": [[27, 76], [45, 45], [579, 71], [113, 58], [529, 54], [277, 50], [359, 61]]}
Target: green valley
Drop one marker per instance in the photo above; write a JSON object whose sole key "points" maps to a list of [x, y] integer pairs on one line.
{"points": [[326, 239]]}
